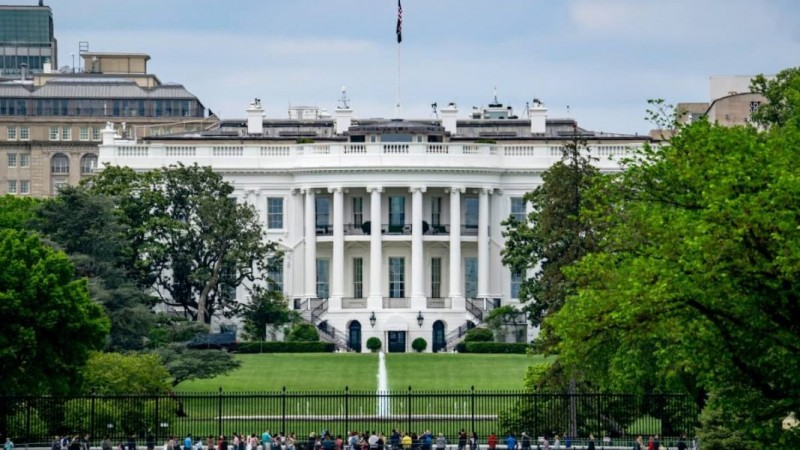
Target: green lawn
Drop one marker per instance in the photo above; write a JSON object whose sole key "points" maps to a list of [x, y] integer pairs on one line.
{"points": [[332, 372]]}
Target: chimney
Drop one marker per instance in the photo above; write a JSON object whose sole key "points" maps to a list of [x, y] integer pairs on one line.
{"points": [[343, 117], [23, 71], [255, 118], [449, 118], [538, 114], [109, 134]]}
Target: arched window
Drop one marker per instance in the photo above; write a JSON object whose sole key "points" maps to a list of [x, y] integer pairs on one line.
{"points": [[59, 164], [88, 163], [354, 335]]}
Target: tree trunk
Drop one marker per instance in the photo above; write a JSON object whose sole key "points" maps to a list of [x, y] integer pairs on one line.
{"points": [[201, 302]]}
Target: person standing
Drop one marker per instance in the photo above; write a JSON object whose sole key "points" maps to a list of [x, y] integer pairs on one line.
{"points": [[441, 442], [656, 443], [590, 445], [638, 444], [9, 445], [187, 442], [491, 441], [511, 441], [462, 439], [525, 441], [473, 441], [105, 444], [682, 442]]}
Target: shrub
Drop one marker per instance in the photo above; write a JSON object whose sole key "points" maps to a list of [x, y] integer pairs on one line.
{"points": [[304, 332], [286, 347], [374, 344], [366, 227], [304, 141], [479, 335], [485, 141], [493, 347], [419, 345]]}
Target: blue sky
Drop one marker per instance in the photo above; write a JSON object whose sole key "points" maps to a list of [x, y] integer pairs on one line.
{"points": [[603, 58]]}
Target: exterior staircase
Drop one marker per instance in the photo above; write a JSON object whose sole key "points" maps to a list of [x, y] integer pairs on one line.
{"points": [[312, 311]]}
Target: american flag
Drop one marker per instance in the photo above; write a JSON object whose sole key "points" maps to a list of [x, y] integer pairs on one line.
{"points": [[399, 22]]}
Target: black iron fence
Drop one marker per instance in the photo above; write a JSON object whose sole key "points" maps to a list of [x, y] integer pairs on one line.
{"points": [[618, 416]]}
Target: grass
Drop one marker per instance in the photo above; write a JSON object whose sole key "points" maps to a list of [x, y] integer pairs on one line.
{"points": [[332, 372]]}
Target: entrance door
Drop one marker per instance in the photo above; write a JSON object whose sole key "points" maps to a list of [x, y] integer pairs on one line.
{"points": [[354, 338], [438, 336], [397, 341]]}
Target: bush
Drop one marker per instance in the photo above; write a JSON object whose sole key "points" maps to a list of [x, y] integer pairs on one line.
{"points": [[374, 344], [286, 347], [479, 335], [304, 332], [492, 347], [485, 141], [304, 141], [419, 345]]}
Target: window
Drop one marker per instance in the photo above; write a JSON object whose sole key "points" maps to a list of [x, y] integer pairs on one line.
{"points": [[12, 133], [436, 277], [323, 275], [754, 106], [516, 281], [518, 209], [323, 212], [25, 187], [275, 213], [471, 213], [54, 133], [88, 163], [397, 285], [275, 275], [470, 277], [358, 277], [95, 133], [66, 134], [436, 211], [12, 160], [12, 187], [358, 211], [397, 212], [59, 164], [24, 160], [24, 134], [84, 134]]}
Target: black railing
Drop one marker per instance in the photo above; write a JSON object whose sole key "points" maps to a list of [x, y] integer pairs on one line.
{"points": [[618, 416]]}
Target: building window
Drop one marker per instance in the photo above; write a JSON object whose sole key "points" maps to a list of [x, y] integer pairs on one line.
{"points": [[518, 209], [12, 187], [436, 211], [24, 160], [25, 187], [358, 277], [471, 213], [57, 186], [12, 133], [397, 213], [54, 133], [88, 163], [95, 133], [59, 164], [275, 213], [12, 160], [516, 281], [754, 106], [470, 277], [323, 213], [84, 134], [436, 277], [66, 134], [275, 275], [323, 275], [24, 133], [397, 284], [358, 211]]}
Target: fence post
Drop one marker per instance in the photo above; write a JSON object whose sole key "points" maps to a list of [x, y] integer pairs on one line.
{"points": [[156, 422], [219, 413], [28, 420], [283, 411], [409, 408], [91, 418], [472, 401], [347, 408]]}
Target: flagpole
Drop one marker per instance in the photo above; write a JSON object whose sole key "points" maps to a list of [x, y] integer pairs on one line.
{"points": [[397, 104]]}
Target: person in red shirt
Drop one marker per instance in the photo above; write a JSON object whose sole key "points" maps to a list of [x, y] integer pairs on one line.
{"points": [[492, 441]]}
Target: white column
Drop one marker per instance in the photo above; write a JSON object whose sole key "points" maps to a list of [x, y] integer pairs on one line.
{"points": [[417, 251], [456, 283], [483, 243], [375, 299], [311, 246], [337, 281]]}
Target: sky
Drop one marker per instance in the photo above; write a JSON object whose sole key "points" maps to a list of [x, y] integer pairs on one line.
{"points": [[597, 61]]}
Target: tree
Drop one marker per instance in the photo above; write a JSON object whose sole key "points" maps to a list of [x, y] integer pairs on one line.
{"points": [[479, 334], [266, 307], [185, 364], [303, 332], [189, 239], [419, 345], [553, 236], [123, 374], [17, 212], [43, 307]]}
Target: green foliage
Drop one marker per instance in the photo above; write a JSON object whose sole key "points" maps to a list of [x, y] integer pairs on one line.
{"points": [[170, 329], [43, 308], [189, 364], [118, 374], [140, 416], [783, 99], [304, 141], [266, 307], [479, 334], [485, 141], [285, 347], [494, 347], [303, 332], [188, 238], [419, 345], [17, 212], [374, 344]]}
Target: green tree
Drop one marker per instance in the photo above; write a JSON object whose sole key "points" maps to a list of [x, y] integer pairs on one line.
{"points": [[266, 307], [479, 334], [553, 236], [43, 307], [419, 344], [17, 212], [189, 239], [120, 374], [185, 364], [374, 344], [303, 332]]}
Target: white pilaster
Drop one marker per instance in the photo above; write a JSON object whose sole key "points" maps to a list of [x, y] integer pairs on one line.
{"points": [[311, 246], [456, 283], [417, 251], [483, 243], [375, 299], [337, 281]]}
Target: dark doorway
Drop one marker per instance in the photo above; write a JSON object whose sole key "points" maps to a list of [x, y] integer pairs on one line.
{"points": [[354, 336], [438, 336], [397, 341]]}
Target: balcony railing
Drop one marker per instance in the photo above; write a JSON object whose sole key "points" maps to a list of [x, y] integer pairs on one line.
{"points": [[396, 302], [469, 230], [404, 228], [354, 303], [439, 303]]}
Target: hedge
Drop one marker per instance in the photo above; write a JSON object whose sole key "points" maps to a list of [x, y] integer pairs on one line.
{"points": [[492, 347], [286, 347]]}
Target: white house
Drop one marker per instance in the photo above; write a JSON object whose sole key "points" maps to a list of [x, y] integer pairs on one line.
{"points": [[391, 228]]}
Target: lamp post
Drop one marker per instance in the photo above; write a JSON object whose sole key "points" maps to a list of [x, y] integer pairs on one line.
{"points": [[73, 62], [372, 319], [420, 319]]}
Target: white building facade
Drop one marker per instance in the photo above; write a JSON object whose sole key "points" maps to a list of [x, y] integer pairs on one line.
{"points": [[390, 229]]}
